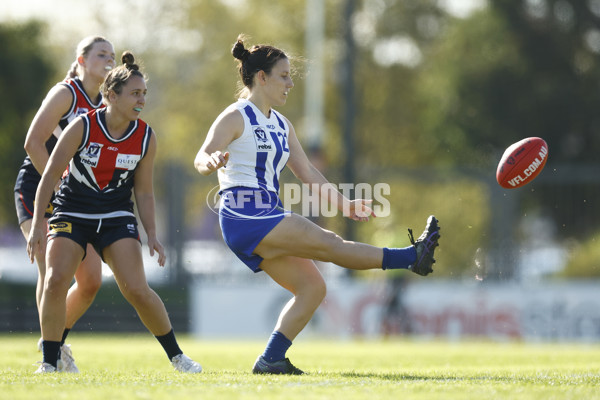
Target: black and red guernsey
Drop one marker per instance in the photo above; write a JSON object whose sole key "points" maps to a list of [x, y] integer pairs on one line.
{"points": [[80, 104], [101, 174]]}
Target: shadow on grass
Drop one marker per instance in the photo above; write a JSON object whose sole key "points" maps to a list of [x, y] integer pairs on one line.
{"points": [[436, 378]]}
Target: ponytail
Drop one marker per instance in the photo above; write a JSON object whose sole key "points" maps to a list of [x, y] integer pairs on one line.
{"points": [[72, 71]]}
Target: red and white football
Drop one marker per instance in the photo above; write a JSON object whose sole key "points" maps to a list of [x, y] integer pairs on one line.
{"points": [[522, 162]]}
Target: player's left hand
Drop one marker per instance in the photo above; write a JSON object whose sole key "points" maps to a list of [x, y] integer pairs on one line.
{"points": [[155, 245], [359, 210], [35, 243]]}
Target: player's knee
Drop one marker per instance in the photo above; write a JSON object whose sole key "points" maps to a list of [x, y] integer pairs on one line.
{"points": [[326, 245], [136, 294], [56, 281], [315, 290], [89, 287], [89, 273]]}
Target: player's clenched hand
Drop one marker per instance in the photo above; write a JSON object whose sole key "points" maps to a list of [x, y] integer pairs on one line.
{"points": [[154, 244], [217, 160]]}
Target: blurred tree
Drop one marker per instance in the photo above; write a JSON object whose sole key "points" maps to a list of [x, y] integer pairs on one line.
{"points": [[392, 38], [517, 69], [25, 72], [560, 43]]}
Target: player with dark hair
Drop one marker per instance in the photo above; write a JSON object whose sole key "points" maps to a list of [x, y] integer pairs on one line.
{"points": [[249, 144], [76, 95], [110, 153]]}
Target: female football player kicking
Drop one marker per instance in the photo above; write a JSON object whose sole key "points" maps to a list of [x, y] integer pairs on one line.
{"points": [[249, 144]]}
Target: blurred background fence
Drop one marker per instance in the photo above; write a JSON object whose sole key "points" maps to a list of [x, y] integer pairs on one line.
{"points": [[505, 269]]}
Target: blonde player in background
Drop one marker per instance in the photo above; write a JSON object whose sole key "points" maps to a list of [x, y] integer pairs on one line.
{"points": [[76, 95]]}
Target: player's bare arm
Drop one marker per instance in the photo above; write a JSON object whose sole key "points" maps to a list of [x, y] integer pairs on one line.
{"points": [[64, 151], [53, 108], [307, 173], [226, 128], [143, 190]]}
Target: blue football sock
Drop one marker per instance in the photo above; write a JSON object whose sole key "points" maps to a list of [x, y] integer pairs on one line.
{"points": [[399, 258], [277, 347]]}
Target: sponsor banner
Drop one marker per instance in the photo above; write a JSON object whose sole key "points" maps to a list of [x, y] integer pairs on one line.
{"points": [[567, 311]]}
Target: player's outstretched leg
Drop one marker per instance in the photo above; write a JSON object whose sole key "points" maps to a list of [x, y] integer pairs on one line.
{"points": [[425, 246]]}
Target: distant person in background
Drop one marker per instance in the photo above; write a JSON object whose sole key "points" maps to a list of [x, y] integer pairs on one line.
{"points": [[78, 94], [110, 153], [396, 318], [249, 144]]}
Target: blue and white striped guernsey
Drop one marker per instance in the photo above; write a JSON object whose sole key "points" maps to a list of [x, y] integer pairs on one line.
{"points": [[259, 155]]}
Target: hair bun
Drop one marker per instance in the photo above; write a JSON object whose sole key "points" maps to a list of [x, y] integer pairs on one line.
{"points": [[239, 51], [128, 61]]}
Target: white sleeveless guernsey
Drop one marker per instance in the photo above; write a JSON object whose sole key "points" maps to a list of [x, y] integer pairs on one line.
{"points": [[259, 155]]}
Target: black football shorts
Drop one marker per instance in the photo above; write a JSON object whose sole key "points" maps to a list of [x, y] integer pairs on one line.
{"points": [[99, 232]]}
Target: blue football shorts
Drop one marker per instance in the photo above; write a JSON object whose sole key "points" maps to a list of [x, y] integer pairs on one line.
{"points": [[246, 216]]}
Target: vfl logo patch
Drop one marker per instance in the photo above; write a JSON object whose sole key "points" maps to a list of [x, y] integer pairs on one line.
{"points": [[81, 110], [131, 228], [91, 155], [61, 227], [262, 141], [127, 161]]}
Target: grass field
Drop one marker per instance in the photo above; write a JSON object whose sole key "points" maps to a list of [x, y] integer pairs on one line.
{"points": [[135, 367]]}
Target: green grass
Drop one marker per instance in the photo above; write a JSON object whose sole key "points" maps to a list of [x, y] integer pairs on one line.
{"points": [[135, 367]]}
